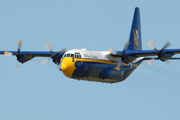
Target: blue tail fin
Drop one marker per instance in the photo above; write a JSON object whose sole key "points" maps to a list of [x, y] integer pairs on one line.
{"points": [[135, 33]]}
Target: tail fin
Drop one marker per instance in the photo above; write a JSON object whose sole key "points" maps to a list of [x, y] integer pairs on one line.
{"points": [[135, 33]]}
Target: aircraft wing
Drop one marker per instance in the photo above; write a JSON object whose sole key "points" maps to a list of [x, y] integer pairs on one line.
{"points": [[24, 56], [144, 53], [128, 56], [156, 58], [33, 53]]}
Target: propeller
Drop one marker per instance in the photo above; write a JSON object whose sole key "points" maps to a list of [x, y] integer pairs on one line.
{"points": [[150, 61], [122, 55], [126, 45], [159, 53], [54, 57], [17, 66], [18, 54], [118, 66]]}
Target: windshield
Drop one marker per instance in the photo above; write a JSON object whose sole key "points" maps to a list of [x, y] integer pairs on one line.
{"points": [[77, 55]]}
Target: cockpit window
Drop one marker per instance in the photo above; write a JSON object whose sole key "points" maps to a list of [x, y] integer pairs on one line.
{"points": [[68, 55], [72, 55], [77, 55]]}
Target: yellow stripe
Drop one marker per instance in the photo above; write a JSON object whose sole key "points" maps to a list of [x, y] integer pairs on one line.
{"points": [[136, 65], [93, 60], [98, 61]]}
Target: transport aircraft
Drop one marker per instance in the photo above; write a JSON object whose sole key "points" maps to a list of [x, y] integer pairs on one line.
{"points": [[101, 66]]}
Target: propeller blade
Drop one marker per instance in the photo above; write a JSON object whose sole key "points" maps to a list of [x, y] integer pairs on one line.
{"points": [[167, 62], [58, 67], [126, 45], [17, 66], [151, 45], [118, 67], [113, 52], [63, 50], [19, 45], [110, 50], [150, 61], [6, 53], [43, 62], [54, 57], [48, 46], [165, 46]]}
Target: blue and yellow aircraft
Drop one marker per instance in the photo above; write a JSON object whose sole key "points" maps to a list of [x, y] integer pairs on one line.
{"points": [[101, 66]]}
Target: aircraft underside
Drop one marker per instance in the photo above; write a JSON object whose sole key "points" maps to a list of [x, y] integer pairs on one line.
{"points": [[99, 72]]}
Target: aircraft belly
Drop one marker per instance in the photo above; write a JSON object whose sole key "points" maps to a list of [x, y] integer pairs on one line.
{"points": [[102, 72], [97, 72]]}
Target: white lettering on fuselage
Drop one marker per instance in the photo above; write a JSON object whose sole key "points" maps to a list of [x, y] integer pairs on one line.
{"points": [[91, 56], [86, 55]]}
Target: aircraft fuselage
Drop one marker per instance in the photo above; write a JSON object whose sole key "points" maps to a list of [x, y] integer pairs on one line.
{"points": [[95, 66]]}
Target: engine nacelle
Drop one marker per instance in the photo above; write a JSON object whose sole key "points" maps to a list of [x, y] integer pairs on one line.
{"points": [[127, 59], [57, 58], [24, 58], [164, 56]]}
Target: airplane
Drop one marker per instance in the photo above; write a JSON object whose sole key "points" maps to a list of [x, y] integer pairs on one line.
{"points": [[101, 66]]}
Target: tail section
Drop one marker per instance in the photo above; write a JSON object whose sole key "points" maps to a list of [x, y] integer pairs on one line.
{"points": [[135, 33]]}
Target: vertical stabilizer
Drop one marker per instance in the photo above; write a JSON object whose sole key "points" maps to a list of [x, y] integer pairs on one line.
{"points": [[135, 33]]}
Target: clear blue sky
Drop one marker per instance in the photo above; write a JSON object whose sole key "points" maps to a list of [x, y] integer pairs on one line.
{"points": [[42, 92]]}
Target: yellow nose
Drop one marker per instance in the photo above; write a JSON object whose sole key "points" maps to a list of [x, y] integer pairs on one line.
{"points": [[63, 66], [68, 66]]}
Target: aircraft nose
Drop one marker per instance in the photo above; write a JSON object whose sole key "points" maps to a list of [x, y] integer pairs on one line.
{"points": [[67, 67], [63, 66]]}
